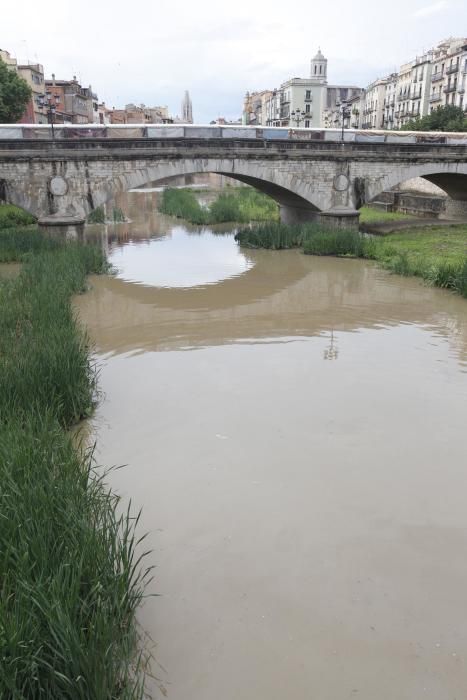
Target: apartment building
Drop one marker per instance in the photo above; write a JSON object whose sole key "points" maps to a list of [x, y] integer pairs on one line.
{"points": [[435, 79], [390, 101], [139, 114], [255, 106], [75, 104], [449, 75]]}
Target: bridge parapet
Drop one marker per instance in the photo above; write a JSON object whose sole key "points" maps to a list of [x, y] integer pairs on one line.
{"points": [[62, 181]]}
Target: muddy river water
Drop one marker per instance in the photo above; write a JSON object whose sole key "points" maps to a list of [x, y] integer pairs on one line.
{"points": [[294, 430]]}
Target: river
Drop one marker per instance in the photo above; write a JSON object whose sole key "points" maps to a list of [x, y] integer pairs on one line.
{"points": [[293, 430]]}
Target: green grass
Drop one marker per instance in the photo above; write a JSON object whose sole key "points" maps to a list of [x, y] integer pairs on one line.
{"points": [[368, 215], [14, 216], [70, 576], [243, 204]]}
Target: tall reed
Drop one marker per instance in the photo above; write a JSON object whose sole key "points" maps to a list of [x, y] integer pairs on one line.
{"points": [[71, 571]]}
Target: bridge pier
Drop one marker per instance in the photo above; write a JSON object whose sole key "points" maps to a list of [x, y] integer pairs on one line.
{"points": [[340, 217], [456, 209], [69, 228], [291, 214]]}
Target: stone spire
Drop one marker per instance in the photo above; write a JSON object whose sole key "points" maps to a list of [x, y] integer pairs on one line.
{"points": [[319, 68], [187, 109]]}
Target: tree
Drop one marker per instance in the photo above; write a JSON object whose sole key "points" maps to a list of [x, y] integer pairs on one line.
{"points": [[447, 118], [14, 95]]}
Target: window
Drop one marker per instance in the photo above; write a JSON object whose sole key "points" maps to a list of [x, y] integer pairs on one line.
{"points": [[316, 69], [321, 69], [308, 95], [307, 123], [307, 109]]}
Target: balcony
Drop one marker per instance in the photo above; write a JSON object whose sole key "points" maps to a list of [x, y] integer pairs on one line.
{"points": [[450, 88], [435, 98], [437, 76], [452, 69]]}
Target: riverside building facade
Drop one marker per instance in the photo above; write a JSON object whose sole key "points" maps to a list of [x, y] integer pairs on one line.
{"points": [[434, 79], [302, 102]]}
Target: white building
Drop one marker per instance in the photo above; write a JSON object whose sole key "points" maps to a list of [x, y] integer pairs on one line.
{"points": [[448, 79], [307, 102]]}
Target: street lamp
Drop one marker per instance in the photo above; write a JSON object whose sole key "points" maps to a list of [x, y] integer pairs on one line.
{"points": [[298, 116], [50, 103], [345, 114]]}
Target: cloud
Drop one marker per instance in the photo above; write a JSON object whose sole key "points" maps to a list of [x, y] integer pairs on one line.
{"points": [[431, 9]]}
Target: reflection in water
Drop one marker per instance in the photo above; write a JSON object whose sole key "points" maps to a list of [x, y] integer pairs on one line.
{"points": [[180, 259], [332, 351], [307, 517]]}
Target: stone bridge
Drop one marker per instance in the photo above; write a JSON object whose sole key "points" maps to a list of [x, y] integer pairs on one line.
{"points": [[61, 182]]}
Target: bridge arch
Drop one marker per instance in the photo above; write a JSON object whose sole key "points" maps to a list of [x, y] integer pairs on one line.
{"points": [[450, 177], [296, 197]]}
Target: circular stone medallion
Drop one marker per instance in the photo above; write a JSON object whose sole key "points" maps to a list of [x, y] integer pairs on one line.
{"points": [[341, 183], [58, 185]]}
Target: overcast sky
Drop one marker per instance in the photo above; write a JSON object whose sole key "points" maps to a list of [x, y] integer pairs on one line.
{"points": [[152, 50]]}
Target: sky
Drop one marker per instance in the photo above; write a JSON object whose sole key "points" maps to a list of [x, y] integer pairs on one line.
{"points": [[151, 51]]}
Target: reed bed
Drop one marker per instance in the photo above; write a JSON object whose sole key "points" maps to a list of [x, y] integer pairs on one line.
{"points": [[275, 236], [438, 257], [241, 205], [70, 573]]}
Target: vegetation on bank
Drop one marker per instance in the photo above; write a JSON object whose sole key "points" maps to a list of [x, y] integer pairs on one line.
{"points": [[438, 255], [243, 204], [370, 215], [70, 575], [444, 118], [14, 216]]}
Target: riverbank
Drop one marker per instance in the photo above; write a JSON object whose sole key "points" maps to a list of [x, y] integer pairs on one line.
{"points": [[437, 255], [71, 580], [243, 204]]}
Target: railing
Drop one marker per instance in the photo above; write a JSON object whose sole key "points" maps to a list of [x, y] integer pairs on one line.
{"points": [[452, 69], [437, 76], [450, 88], [435, 98]]}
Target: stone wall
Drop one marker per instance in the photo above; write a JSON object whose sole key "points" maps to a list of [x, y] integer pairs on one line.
{"points": [[419, 184]]}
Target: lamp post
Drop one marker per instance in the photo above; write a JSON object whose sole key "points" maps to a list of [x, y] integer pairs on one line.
{"points": [[298, 116], [345, 114], [49, 102]]}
